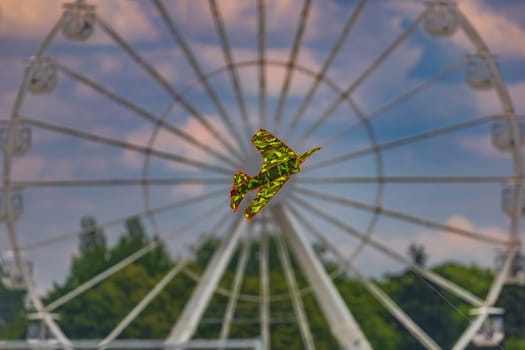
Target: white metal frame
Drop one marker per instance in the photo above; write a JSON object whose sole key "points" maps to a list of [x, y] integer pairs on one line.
{"points": [[287, 217]]}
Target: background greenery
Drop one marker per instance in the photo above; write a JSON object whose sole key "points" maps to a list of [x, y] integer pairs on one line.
{"points": [[95, 313]]}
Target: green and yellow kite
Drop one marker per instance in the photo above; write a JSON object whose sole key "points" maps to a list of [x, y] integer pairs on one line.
{"points": [[279, 164]]}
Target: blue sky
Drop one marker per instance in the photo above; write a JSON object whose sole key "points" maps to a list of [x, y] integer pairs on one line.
{"points": [[51, 211]]}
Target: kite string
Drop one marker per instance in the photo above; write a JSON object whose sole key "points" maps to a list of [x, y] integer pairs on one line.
{"points": [[447, 300]]}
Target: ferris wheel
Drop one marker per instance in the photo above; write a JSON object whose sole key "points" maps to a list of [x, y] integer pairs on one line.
{"points": [[172, 136]]}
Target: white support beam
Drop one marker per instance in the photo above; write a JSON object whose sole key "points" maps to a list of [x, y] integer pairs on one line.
{"points": [[264, 288], [236, 288], [295, 295], [192, 313], [492, 295], [373, 289], [136, 344], [341, 321], [394, 254], [132, 315]]}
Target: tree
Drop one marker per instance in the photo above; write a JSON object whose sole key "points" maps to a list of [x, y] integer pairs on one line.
{"points": [[94, 313], [417, 254], [92, 237], [512, 300], [11, 309]]}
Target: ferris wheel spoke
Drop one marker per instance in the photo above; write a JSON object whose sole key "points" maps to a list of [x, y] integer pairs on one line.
{"points": [[236, 287], [191, 315], [362, 121], [385, 249], [121, 182], [401, 142], [126, 262], [403, 97], [153, 293], [49, 38], [340, 319], [196, 277], [508, 107], [481, 46], [348, 92], [101, 277], [125, 145], [291, 63], [327, 63], [223, 114], [157, 210], [261, 46], [159, 287], [295, 295], [264, 289], [144, 114], [32, 295], [223, 36], [193, 113], [389, 304], [495, 290], [402, 216], [329, 180]]}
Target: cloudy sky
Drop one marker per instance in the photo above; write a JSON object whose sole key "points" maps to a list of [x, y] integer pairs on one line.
{"points": [[51, 211]]}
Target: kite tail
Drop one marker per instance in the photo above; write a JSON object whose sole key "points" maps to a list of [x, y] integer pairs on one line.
{"points": [[302, 157], [236, 196]]}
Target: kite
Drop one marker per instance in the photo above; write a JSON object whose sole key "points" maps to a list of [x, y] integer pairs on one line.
{"points": [[279, 163]]}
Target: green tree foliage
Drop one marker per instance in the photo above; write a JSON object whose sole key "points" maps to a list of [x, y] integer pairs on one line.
{"points": [[96, 312], [11, 311], [512, 300], [515, 344], [92, 236], [417, 254]]}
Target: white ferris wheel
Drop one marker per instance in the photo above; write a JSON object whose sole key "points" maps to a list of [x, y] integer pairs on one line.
{"points": [[368, 180]]}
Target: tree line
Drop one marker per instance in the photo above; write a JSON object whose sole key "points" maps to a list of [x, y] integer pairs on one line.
{"points": [[95, 313]]}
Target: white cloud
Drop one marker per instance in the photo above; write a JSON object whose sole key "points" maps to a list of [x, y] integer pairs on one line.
{"points": [[167, 69], [35, 167], [386, 82], [188, 191], [502, 35], [132, 160], [7, 99], [28, 19], [440, 246], [27, 167], [445, 246], [481, 145], [33, 19], [72, 205], [52, 107], [59, 168], [240, 16], [488, 102], [165, 141], [96, 163], [212, 57], [495, 28], [84, 92], [140, 137], [409, 8], [517, 93], [107, 63]]}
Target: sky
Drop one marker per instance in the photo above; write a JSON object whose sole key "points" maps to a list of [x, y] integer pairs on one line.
{"points": [[55, 210]]}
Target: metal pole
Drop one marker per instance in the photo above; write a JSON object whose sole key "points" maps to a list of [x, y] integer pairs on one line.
{"points": [[192, 313], [341, 321]]}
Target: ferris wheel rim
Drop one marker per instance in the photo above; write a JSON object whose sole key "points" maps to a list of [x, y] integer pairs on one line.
{"points": [[517, 151], [292, 66]]}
